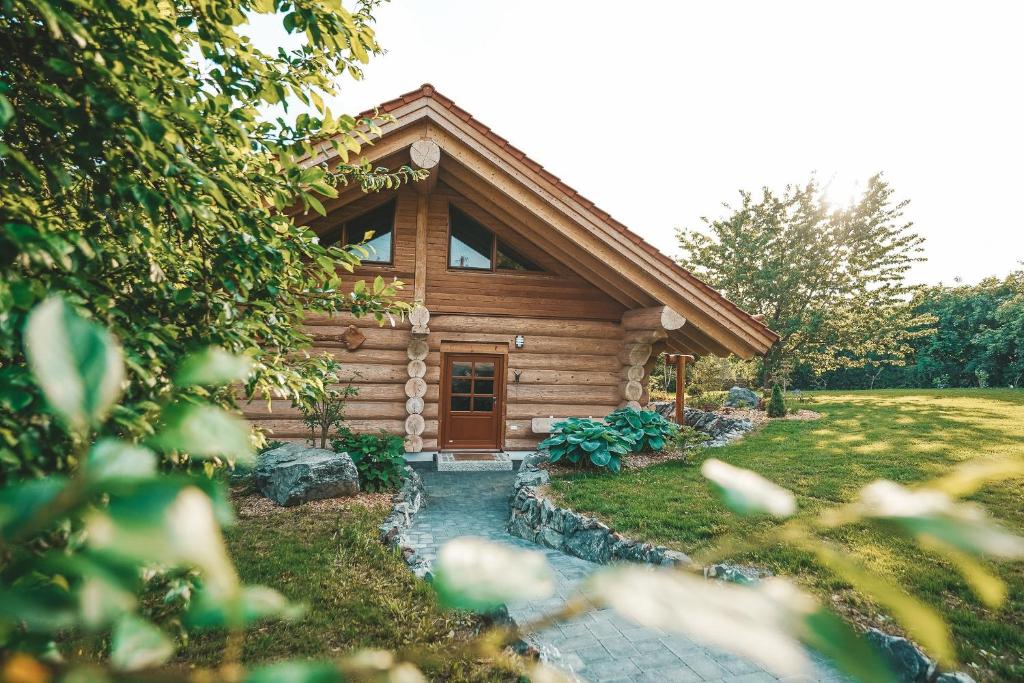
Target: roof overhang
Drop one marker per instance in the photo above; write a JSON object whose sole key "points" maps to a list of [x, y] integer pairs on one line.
{"points": [[488, 170]]}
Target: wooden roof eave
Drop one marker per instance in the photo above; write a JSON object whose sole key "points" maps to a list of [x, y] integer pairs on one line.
{"points": [[738, 333], [610, 249]]}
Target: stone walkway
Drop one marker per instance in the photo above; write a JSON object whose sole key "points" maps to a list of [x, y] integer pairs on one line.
{"points": [[598, 647]]}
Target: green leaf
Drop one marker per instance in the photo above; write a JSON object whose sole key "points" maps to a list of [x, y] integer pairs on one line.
{"points": [[153, 129], [920, 621], [204, 431], [479, 575], [830, 636], [754, 622], [76, 363], [747, 492], [138, 644], [20, 502], [294, 672], [6, 112], [590, 446], [930, 514], [165, 521], [250, 605], [114, 459], [211, 367]]}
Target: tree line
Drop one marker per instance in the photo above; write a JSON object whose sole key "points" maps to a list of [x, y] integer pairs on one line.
{"points": [[831, 280], [977, 340]]}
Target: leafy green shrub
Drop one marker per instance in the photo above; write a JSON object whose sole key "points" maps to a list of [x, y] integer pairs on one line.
{"points": [[686, 438], [323, 407], [648, 430], [712, 400], [662, 395], [776, 404], [183, 243], [380, 458], [581, 439]]}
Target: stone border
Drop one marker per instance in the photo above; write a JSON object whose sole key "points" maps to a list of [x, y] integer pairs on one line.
{"points": [[409, 499], [722, 429], [535, 518]]}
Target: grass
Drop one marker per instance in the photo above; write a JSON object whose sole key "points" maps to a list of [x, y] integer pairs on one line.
{"points": [[359, 593], [903, 435]]}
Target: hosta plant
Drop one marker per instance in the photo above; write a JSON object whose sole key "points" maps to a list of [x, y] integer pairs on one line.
{"points": [[648, 430], [581, 440]]}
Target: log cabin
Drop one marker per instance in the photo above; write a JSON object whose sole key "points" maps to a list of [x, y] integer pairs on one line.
{"points": [[529, 302]]}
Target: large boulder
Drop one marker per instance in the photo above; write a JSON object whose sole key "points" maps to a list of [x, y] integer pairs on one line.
{"points": [[294, 474], [741, 397]]}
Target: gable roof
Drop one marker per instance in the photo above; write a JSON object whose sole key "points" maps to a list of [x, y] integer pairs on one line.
{"points": [[474, 152]]}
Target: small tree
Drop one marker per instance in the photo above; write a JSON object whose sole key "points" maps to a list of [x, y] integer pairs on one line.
{"points": [[777, 405], [830, 280], [322, 406]]}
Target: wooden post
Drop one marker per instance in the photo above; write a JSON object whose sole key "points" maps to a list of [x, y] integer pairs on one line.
{"points": [[680, 361], [419, 281]]}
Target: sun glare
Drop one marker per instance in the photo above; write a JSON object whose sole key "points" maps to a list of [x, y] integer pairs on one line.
{"points": [[841, 192]]}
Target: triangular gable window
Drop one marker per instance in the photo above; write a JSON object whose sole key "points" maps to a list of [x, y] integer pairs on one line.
{"points": [[381, 222], [510, 259], [471, 246]]}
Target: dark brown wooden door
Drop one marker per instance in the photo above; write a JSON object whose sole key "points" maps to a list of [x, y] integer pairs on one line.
{"points": [[472, 400]]}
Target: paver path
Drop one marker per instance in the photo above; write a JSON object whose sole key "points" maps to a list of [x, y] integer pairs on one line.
{"points": [[599, 646]]}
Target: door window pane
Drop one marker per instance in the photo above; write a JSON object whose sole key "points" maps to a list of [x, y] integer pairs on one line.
{"points": [[462, 369], [471, 243], [484, 386], [460, 402], [483, 404], [485, 369], [461, 386]]}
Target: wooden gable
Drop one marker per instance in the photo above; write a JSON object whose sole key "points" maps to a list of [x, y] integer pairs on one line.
{"points": [[601, 266]]}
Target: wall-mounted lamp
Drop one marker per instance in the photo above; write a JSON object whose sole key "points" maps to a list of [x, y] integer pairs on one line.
{"points": [[520, 341]]}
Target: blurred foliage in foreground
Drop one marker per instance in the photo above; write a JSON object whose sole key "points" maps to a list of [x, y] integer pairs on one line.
{"points": [[77, 549], [141, 179]]}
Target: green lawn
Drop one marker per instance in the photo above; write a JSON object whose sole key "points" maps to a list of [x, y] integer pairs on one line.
{"points": [[906, 436], [359, 593]]}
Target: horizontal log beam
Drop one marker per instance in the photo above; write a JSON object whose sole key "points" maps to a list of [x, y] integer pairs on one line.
{"points": [[653, 318]]}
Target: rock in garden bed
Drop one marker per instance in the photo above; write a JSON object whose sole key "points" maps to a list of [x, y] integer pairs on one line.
{"points": [[294, 474]]}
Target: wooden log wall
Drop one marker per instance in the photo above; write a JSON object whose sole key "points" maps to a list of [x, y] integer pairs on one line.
{"points": [[584, 353], [567, 368]]}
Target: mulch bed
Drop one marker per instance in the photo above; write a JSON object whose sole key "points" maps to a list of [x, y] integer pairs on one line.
{"points": [[760, 417], [250, 504]]}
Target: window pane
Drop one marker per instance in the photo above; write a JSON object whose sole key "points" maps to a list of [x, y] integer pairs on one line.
{"points": [[461, 386], [471, 243], [484, 386], [483, 404], [510, 259], [462, 369], [485, 369], [460, 402], [380, 222]]}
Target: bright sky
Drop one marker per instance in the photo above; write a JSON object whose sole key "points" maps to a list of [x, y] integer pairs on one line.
{"points": [[660, 111]]}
